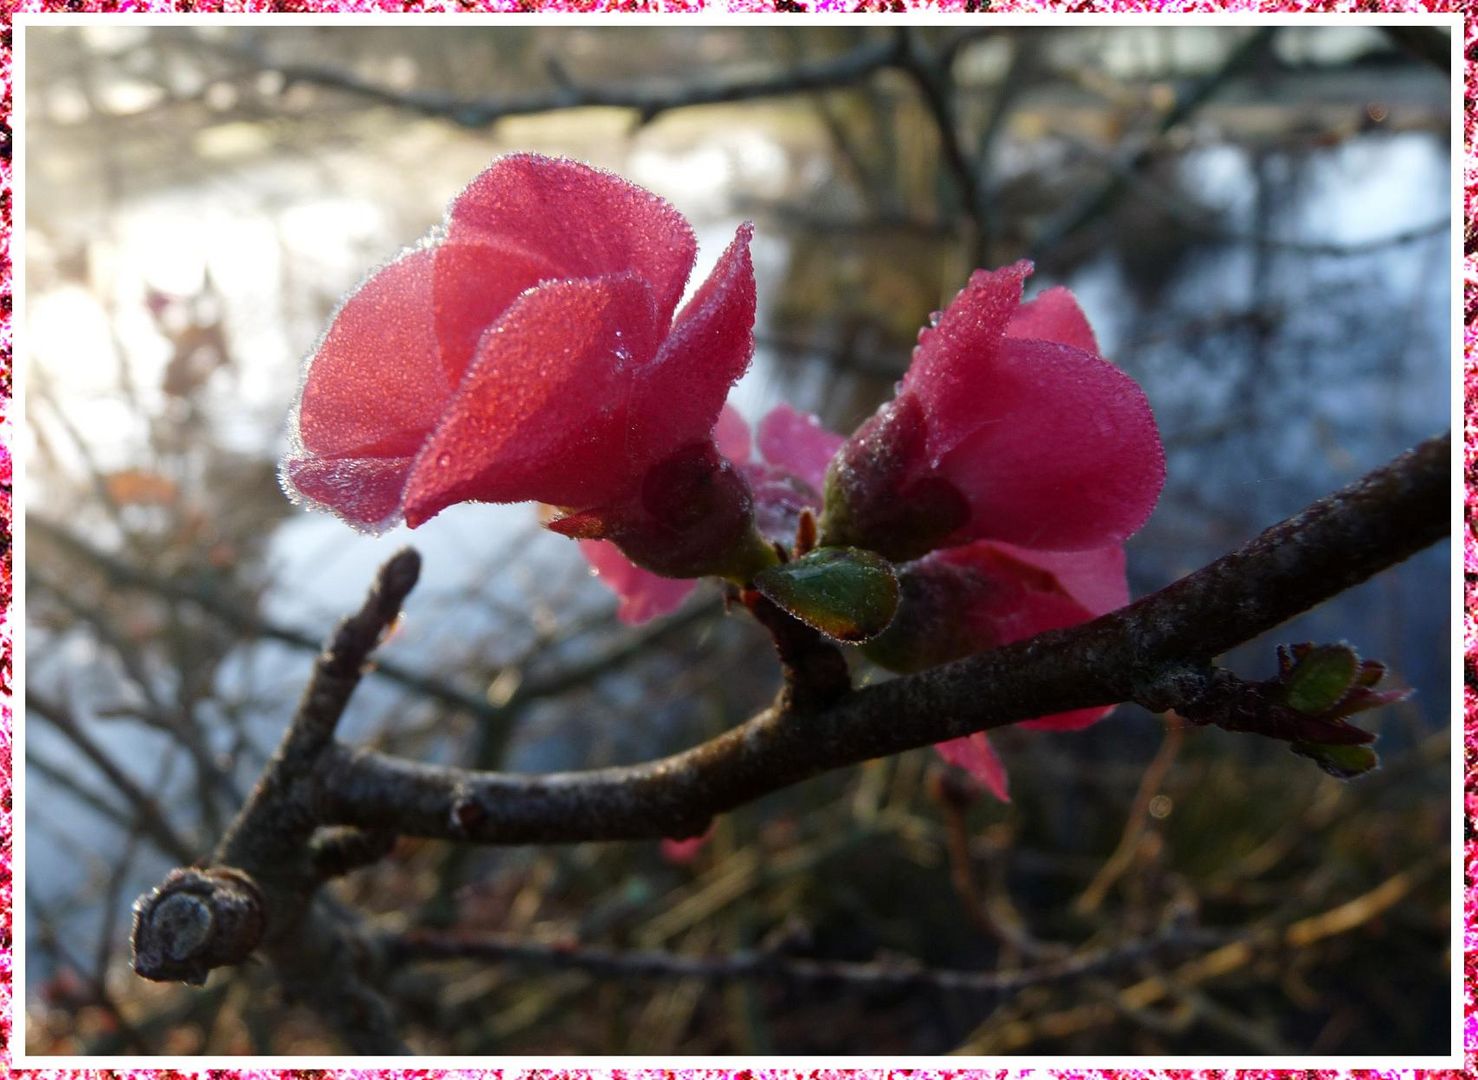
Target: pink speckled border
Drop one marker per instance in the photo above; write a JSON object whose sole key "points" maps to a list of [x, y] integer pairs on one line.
{"points": [[8, 8]]}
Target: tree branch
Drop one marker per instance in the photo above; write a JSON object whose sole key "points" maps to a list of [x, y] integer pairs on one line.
{"points": [[1098, 201], [649, 100], [1156, 651], [249, 624], [264, 882], [416, 945], [262, 886]]}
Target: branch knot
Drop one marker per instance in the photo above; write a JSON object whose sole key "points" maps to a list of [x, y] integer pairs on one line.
{"points": [[194, 921]]}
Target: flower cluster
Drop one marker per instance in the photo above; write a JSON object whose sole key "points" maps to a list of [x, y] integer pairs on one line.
{"points": [[533, 350]]}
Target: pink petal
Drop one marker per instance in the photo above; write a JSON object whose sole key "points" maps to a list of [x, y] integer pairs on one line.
{"points": [[1024, 596], [1008, 598], [1054, 316], [975, 755], [365, 492], [779, 498], [1095, 579], [544, 413], [586, 222], [683, 852], [643, 594], [951, 367], [796, 442], [475, 283], [731, 435], [381, 348], [1074, 720], [711, 343], [1063, 453]]}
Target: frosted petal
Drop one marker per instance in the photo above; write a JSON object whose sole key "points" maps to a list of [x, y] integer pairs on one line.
{"points": [[950, 370], [1064, 454], [1095, 579], [643, 594], [474, 283], [711, 344], [1054, 316], [731, 435], [586, 222], [375, 385], [365, 492], [544, 413], [797, 443]]}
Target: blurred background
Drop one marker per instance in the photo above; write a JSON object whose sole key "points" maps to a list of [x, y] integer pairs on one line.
{"points": [[1257, 224]]}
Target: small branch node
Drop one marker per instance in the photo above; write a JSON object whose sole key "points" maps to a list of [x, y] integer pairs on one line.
{"points": [[195, 921]]}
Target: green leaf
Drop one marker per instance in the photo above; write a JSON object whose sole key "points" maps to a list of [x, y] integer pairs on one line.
{"points": [[1321, 678], [846, 593], [1345, 762]]}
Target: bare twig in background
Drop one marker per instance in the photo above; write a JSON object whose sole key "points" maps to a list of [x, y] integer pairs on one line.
{"points": [[1430, 43], [1091, 207], [650, 963], [151, 819], [249, 624], [649, 100], [1134, 825], [1002, 1035]]}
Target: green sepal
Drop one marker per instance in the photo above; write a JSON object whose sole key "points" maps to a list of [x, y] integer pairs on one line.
{"points": [[848, 594], [1344, 762]]}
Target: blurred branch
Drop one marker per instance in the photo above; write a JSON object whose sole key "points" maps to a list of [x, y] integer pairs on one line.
{"points": [[151, 819], [96, 990], [990, 909], [179, 723], [247, 623], [1122, 858], [648, 100], [250, 624], [1026, 49], [933, 76], [1202, 220], [413, 945], [1097, 202], [996, 1037]]}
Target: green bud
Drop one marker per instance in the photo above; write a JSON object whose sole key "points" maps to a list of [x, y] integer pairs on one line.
{"points": [[846, 593], [1320, 678], [1345, 762]]}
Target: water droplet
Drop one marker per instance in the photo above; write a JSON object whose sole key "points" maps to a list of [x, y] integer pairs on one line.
{"points": [[443, 460], [934, 317]]}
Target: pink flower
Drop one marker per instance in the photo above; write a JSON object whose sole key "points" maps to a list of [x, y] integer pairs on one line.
{"points": [[794, 450], [1016, 461], [1008, 426], [526, 352], [983, 595]]}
